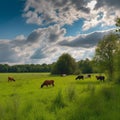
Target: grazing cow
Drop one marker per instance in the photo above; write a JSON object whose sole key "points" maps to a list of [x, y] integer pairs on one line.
{"points": [[79, 77], [11, 79], [47, 83], [63, 75], [88, 76], [101, 78]]}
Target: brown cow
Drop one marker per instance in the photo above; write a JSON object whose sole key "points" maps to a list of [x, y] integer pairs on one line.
{"points": [[47, 83], [11, 79]]}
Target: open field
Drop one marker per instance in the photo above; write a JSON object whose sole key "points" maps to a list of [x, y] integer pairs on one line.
{"points": [[69, 99]]}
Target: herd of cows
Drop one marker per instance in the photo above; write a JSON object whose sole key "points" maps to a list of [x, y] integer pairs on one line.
{"points": [[51, 82], [100, 77]]}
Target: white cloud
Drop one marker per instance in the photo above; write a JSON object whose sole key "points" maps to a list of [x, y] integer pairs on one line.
{"points": [[60, 11], [46, 45], [109, 9], [67, 11]]}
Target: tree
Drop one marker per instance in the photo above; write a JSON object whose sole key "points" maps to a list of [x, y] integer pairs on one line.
{"points": [[105, 53], [85, 66], [118, 24], [117, 63], [64, 65], [118, 52]]}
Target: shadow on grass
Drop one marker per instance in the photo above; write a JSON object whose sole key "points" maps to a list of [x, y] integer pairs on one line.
{"points": [[82, 82], [49, 87]]}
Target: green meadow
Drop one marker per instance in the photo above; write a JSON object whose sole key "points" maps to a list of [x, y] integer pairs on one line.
{"points": [[69, 99]]}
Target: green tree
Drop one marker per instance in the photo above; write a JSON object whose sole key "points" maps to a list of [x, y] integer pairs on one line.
{"points": [[105, 53], [117, 62], [85, 66], [4, 67], [64, 65], [118, 24]]}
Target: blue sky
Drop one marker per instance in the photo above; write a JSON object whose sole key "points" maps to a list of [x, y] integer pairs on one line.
{"points": [[11, 22], [39, 31]]}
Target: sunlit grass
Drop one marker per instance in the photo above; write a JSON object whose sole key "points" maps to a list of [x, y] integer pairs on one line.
{"points": [[69, 99]]}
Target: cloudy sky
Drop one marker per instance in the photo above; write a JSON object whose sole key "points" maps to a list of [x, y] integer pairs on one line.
{"points": [[39, 31]]}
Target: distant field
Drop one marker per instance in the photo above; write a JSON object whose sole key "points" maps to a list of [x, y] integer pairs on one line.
{"points": [[69, 99]]}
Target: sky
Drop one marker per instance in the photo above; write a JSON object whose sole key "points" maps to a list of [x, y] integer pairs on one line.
{"points": [[39, 31]]}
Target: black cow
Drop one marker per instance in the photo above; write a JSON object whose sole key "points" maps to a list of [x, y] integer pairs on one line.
{"points": [[79, 77], [101, 78]]}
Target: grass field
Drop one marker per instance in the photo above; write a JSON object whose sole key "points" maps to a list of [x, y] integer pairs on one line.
{"points": [[69, 99]]}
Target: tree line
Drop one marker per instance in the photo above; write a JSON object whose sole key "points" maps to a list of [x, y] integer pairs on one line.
{"points": [[5, 68], [82, 66]]}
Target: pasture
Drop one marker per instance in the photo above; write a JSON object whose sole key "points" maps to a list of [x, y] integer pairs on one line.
{"points": [[69, 99]]}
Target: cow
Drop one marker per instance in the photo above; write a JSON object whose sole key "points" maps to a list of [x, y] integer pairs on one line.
{"points": [[79, 77], [101, 78], [47, 83], [63, 75], [88, 76], [11, 79]]}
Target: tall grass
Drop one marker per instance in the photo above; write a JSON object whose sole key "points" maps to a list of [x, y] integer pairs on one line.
{"points": [[103, 105], [58, 102], [71, 93]]}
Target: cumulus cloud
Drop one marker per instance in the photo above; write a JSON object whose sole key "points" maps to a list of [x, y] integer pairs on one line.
{"points": [[60, 11], [46, 45], [63, 12], [103, 13], [38, 45], [85, 41], [7, 53]]}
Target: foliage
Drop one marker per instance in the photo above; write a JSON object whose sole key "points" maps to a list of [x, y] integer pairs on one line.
{"points": [[117, 63], [117, 57], [118, 24], [105, 53], [25, 68], [64, 65], [85, 66], [82, 66]]}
